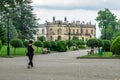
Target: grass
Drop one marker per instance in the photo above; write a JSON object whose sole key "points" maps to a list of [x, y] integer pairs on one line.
{"points": [[105, 55], [19, 51]]}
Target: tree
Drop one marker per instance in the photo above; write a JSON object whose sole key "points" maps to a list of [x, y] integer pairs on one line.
{"points": [[106, 19], [22, 18], [16, 43], [25, 22], [41, 38]]}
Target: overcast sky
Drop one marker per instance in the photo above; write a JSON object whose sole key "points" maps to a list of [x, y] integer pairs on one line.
{"points": [[82, 10]]}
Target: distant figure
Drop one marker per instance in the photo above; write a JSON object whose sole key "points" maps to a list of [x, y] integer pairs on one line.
{"points": [[30, 53]]}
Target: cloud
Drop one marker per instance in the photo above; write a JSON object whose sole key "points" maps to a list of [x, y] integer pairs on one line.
{"points": [[82, 10], [77, 4]]}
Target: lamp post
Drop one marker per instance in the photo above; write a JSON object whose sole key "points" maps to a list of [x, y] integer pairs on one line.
{"points": [[8, 38], [7, 26], [69, 35]]}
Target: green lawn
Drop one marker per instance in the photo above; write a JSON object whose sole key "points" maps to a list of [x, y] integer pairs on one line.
{"points": [[19, 51], [105, 55]]}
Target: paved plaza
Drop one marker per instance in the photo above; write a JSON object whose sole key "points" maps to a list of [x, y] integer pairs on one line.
{"points": [[60, 66]]}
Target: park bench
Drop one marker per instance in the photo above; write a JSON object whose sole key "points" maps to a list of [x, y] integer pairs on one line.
{"points": [[45, 51], [91, 51]]}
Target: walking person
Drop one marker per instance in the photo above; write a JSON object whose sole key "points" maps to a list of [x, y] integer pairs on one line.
{"points": [[30, 53]]}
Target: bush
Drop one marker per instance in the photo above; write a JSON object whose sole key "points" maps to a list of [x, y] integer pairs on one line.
{"points": [[16, 43], [46, 44], [69, 43], [41, 38], [106, 46], [53, 45], [38, 44], [25, 43], [92, 42], [0, 44], [61, 46], [100, 43], [115, 46]]}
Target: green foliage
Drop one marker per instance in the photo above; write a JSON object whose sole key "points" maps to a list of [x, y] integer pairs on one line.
{"points": [[41, 38], [100, 43], [25, 43], [53, 45], [115, 46], [106, 46], [75, 38], [107, 21], [69, 43], [2, 34], [92, 42], [0, 44], [106, 17], [61, 46], [38, 44], [16, 43], [47, 44], [116, 35]]}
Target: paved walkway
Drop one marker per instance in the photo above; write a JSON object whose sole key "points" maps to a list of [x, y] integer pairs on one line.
{"points": [[60, 66]]}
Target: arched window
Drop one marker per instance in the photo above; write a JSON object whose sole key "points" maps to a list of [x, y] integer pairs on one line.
{"points": [[51, 37], [59, 31], [59, 37], [91, 31], [43, 31]]}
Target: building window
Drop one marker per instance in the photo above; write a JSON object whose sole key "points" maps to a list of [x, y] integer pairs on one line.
{"points": [[59, 37], [59, 31], [73, 31], [51, 38], [86, 31], [51, 31], [83, 38], [77, 31], [91, 31], [43, 31]]}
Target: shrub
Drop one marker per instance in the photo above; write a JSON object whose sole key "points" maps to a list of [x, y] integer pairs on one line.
{"points": [[16, 43], [53, 45], [100, 43], [41, 38], [46, 44], [92, 42], [115, 46], [25, 43], [61, 46], [0, 44], [38, 44], [69, 43], [106, 46]]}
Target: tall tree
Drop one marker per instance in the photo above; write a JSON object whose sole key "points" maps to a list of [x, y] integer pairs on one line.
{"points": [[20, 14], [26, 21], [106, 19]]}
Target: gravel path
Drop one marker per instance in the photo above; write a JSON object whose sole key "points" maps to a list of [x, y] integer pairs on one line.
{"points": [[60, 66]]}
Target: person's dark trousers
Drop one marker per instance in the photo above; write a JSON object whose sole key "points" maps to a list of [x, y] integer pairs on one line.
{"points": [[30, 60]]}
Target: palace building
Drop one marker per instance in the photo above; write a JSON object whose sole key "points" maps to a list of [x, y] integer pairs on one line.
{"points": [[63, 30]]}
